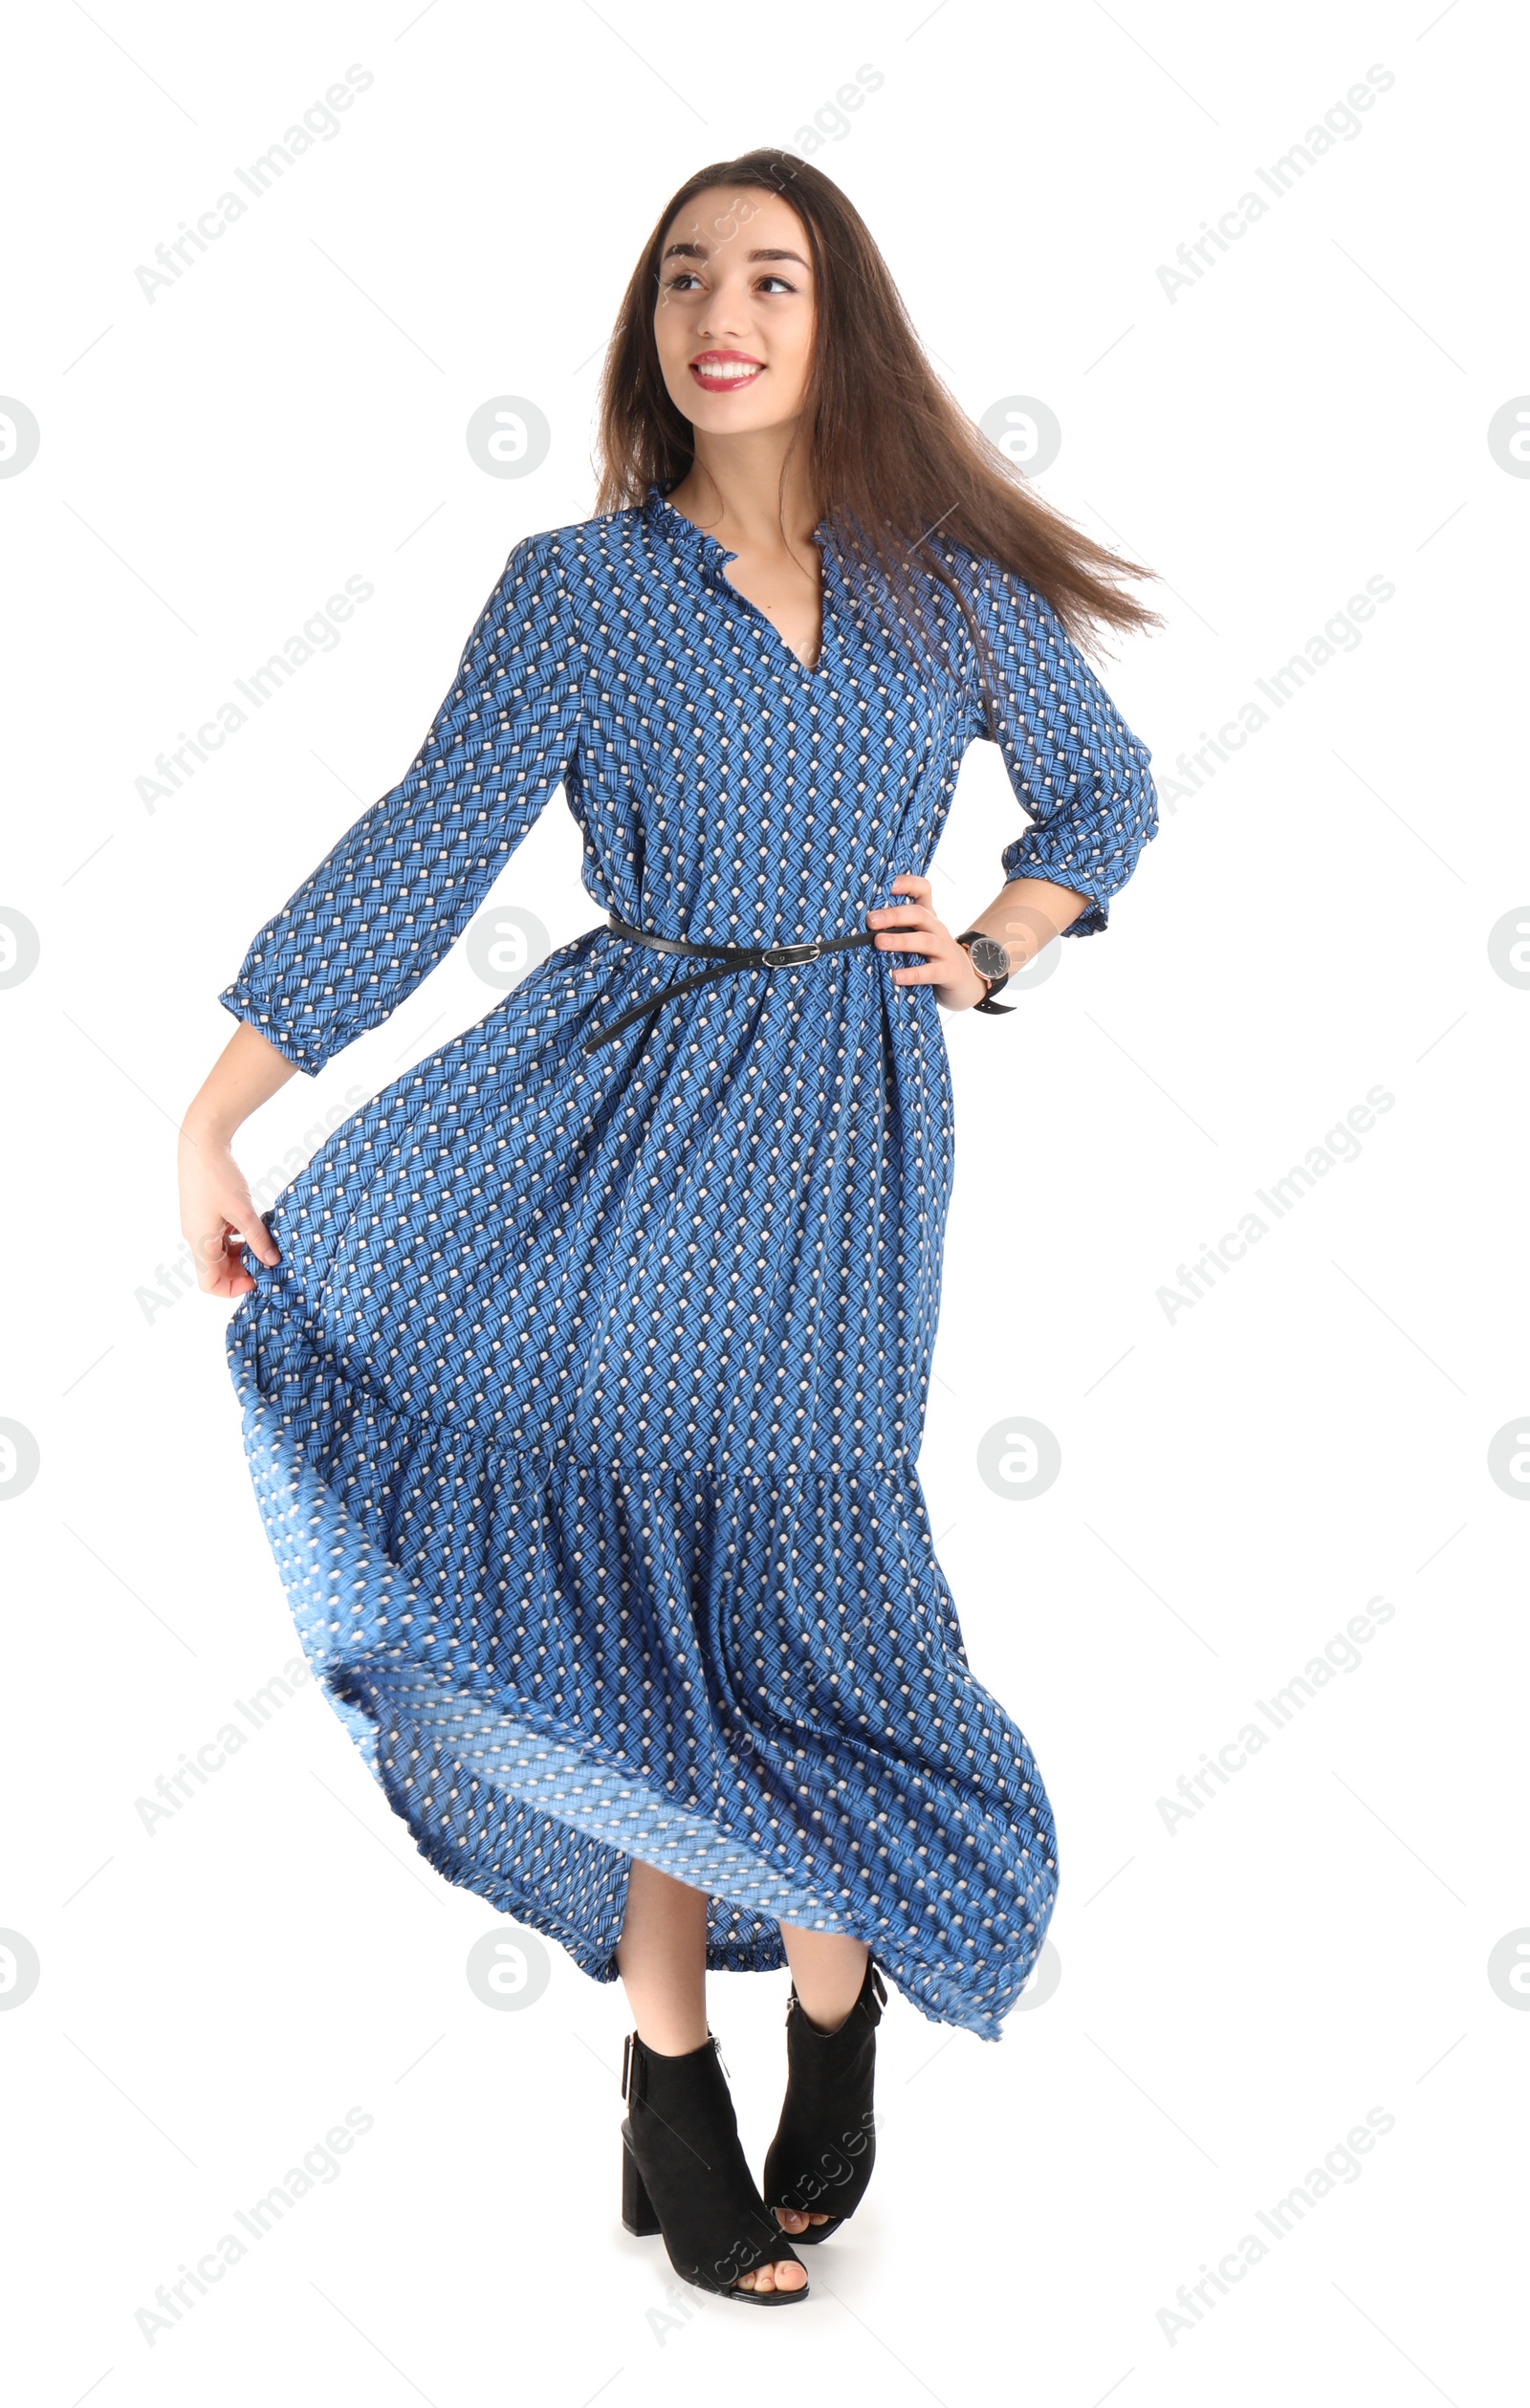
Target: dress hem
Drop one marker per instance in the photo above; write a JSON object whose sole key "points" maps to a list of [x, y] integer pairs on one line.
{"points": [[498, 1796]]}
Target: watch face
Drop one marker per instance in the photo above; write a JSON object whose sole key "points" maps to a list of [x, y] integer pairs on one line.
{"points": [[989, 959]]}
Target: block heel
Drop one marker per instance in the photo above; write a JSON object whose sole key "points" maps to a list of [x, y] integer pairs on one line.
{"points": [[637, 2207]]}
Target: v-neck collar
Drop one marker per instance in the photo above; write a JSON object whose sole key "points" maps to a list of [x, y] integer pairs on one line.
{"points": [[706, 553]]}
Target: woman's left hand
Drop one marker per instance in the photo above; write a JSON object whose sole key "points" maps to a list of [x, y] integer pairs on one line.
{"points": [[912, 927]]}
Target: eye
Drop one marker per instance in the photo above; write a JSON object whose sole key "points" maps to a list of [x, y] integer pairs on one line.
{"points": [[688, 275]]}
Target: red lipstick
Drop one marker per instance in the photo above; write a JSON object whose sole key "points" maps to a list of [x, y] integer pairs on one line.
{"points": [[725, 371]]}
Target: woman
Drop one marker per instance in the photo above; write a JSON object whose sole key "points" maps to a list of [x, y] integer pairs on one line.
{"points": [[584, 1370]]}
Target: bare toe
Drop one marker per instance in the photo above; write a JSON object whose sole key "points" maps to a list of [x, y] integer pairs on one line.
{"points": [[783, 2275], [792, 2218]]}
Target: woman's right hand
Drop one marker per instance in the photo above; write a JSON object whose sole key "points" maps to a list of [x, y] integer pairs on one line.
{"points": [[218, 1212], [218, 1215]]}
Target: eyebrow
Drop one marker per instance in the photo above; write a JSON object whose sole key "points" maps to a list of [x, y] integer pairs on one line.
{"points": [[698, 251]]}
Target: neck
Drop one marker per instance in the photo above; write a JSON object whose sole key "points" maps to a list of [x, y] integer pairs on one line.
{"points": [[746, 491]]}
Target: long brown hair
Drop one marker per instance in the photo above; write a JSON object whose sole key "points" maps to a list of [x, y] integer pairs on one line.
{"points": [[900, 467]]}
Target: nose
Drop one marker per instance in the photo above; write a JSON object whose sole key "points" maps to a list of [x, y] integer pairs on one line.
{"points": [[725, 328], [726, 316]]}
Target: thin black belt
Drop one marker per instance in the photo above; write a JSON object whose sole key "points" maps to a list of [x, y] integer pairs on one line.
{"points": [[725, 960]]}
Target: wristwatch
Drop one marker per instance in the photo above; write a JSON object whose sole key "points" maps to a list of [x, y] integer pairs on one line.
{"points": [[991, 959]]}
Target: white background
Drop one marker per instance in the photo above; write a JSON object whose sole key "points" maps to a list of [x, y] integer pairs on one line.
{"points": [[1236, 1993]]}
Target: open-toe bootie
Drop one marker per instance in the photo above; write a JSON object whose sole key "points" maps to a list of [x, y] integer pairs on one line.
{"points": [[684, 2174], [825, 2143]]}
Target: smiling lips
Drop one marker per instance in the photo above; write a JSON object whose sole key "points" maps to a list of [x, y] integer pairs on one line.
{"points": [[725, 371]]}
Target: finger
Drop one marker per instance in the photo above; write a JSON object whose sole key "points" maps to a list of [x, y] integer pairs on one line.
{"points": [[225, 1275], [911, 941], [232, 1283], [216, 1254], [903, 915], [209, 1255], [919, 888], [251, 1230]]}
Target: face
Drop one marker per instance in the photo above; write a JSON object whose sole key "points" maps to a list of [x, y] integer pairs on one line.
{"points": [[733, 317]]}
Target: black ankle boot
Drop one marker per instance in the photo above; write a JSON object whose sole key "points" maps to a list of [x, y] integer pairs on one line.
{"points": [[820, 2158], [684, 2173]]}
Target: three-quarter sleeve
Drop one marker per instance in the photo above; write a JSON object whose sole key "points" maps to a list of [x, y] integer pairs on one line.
{"points": [[390, 898], [1073, 762]]}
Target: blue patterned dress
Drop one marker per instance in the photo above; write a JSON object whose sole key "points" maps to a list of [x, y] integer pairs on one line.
{"points": [[584, 1405]]}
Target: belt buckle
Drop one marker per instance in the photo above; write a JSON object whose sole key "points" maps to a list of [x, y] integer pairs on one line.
{"points": [[787, 956]]}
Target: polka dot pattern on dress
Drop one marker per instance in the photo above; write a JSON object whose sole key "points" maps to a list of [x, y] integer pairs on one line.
{"points": [[584, 1405]]}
